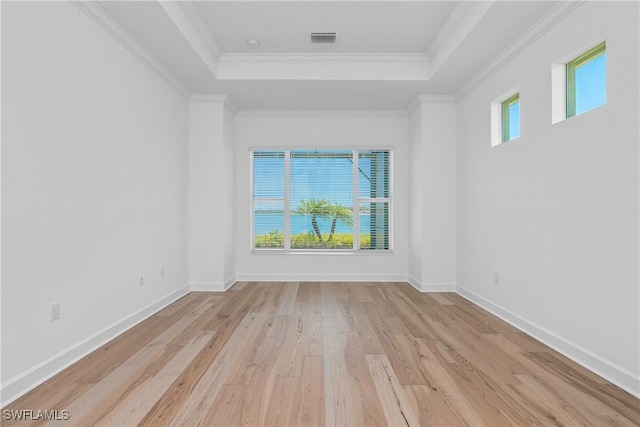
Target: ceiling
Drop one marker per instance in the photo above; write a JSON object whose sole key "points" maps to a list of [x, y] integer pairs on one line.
{"points": [[283, 27], [387, 52]]}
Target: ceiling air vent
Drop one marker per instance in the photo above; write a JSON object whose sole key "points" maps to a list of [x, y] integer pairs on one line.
{"points": [[323, 37]]}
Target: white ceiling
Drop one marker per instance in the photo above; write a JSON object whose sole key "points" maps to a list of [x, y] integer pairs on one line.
{"points": [[387, 53], [283, 27]]}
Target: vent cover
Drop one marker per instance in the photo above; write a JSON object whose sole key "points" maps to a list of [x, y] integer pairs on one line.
{"points": [[325, 37]]}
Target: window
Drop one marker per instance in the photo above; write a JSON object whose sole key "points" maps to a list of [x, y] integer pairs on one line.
{"points": [[268, 199], [305, 200], [511, 118], [505, 117], [586, 81], [579, 83]]}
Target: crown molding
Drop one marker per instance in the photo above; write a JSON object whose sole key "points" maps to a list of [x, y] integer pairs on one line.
{"points": [[209, 97], [192, 14], [346, 57], [436, 99], [219, 98], [323, 67], [233, 108], [264, 66], [449, 26], [193, 29], [455, 30], [324, 113], [537, 30], [413, 106], [420, 100], [93, 10]]}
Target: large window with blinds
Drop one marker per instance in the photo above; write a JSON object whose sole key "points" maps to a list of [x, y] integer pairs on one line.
{"points": [[321, 200]]}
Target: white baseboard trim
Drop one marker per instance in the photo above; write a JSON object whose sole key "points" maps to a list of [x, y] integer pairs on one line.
{"points": [[260, 277], [608, 370], [431, 287], [230, 282], [31, 378], [415, 283], [213, 286]]}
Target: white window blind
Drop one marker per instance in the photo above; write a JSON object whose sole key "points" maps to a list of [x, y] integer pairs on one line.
{"points": [[268, 199], [306, 199], [374, 185]]}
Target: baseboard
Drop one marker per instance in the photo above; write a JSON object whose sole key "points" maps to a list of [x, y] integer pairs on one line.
{"points": [[260, 277], [415, 283], [602, 367], [31, 378], [213, 286], [230, 282], [431, 287], [26, 381]]}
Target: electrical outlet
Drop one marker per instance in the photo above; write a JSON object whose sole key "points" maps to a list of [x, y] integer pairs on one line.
{"points": [[141, 280], [496, 277], [162, 272], [55, 311]]}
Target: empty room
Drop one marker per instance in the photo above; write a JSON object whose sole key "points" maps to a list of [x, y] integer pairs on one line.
{"points": [[310, 213]]}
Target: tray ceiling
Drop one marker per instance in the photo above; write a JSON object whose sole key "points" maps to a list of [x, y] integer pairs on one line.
{"points": [[387, 52]]}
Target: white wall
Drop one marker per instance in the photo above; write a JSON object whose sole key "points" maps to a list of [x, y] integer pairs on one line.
{"points": [[211, 197], [435, 160], [322, 130], [555, 212], [94, 175], [433, 194], [229, 203], [415, 187]]}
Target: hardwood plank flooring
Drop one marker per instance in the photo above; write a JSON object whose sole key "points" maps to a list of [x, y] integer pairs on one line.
{"points": [[339, 354]]}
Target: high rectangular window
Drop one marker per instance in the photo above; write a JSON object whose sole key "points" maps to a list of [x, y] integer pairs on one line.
{"points": [[511, 118], [505, 117], [586, 81], [309, 200]]}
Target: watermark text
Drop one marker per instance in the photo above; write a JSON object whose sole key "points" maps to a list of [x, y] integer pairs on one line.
{"points": [[35, 415]]}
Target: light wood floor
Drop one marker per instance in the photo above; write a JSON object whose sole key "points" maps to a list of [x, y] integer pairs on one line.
{"points": [[329, 354]]}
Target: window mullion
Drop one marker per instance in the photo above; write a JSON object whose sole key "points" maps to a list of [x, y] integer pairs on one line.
{"points": [[356, 205], [287, 201]]}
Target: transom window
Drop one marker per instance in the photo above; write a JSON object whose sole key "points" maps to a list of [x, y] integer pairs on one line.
{"points": [[586, 81], [321, 200], [511, 118], [505, 117]]}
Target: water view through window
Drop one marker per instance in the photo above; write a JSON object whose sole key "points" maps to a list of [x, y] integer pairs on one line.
{"points": [[305, 199]]}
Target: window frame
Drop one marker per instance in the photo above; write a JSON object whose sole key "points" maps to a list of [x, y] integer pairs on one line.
{"points": [[496, 115], [506, 117], [357, 200], [571, 67]]}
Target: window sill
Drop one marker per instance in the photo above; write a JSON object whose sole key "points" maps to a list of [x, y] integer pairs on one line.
{"points": [[321, 252]]}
